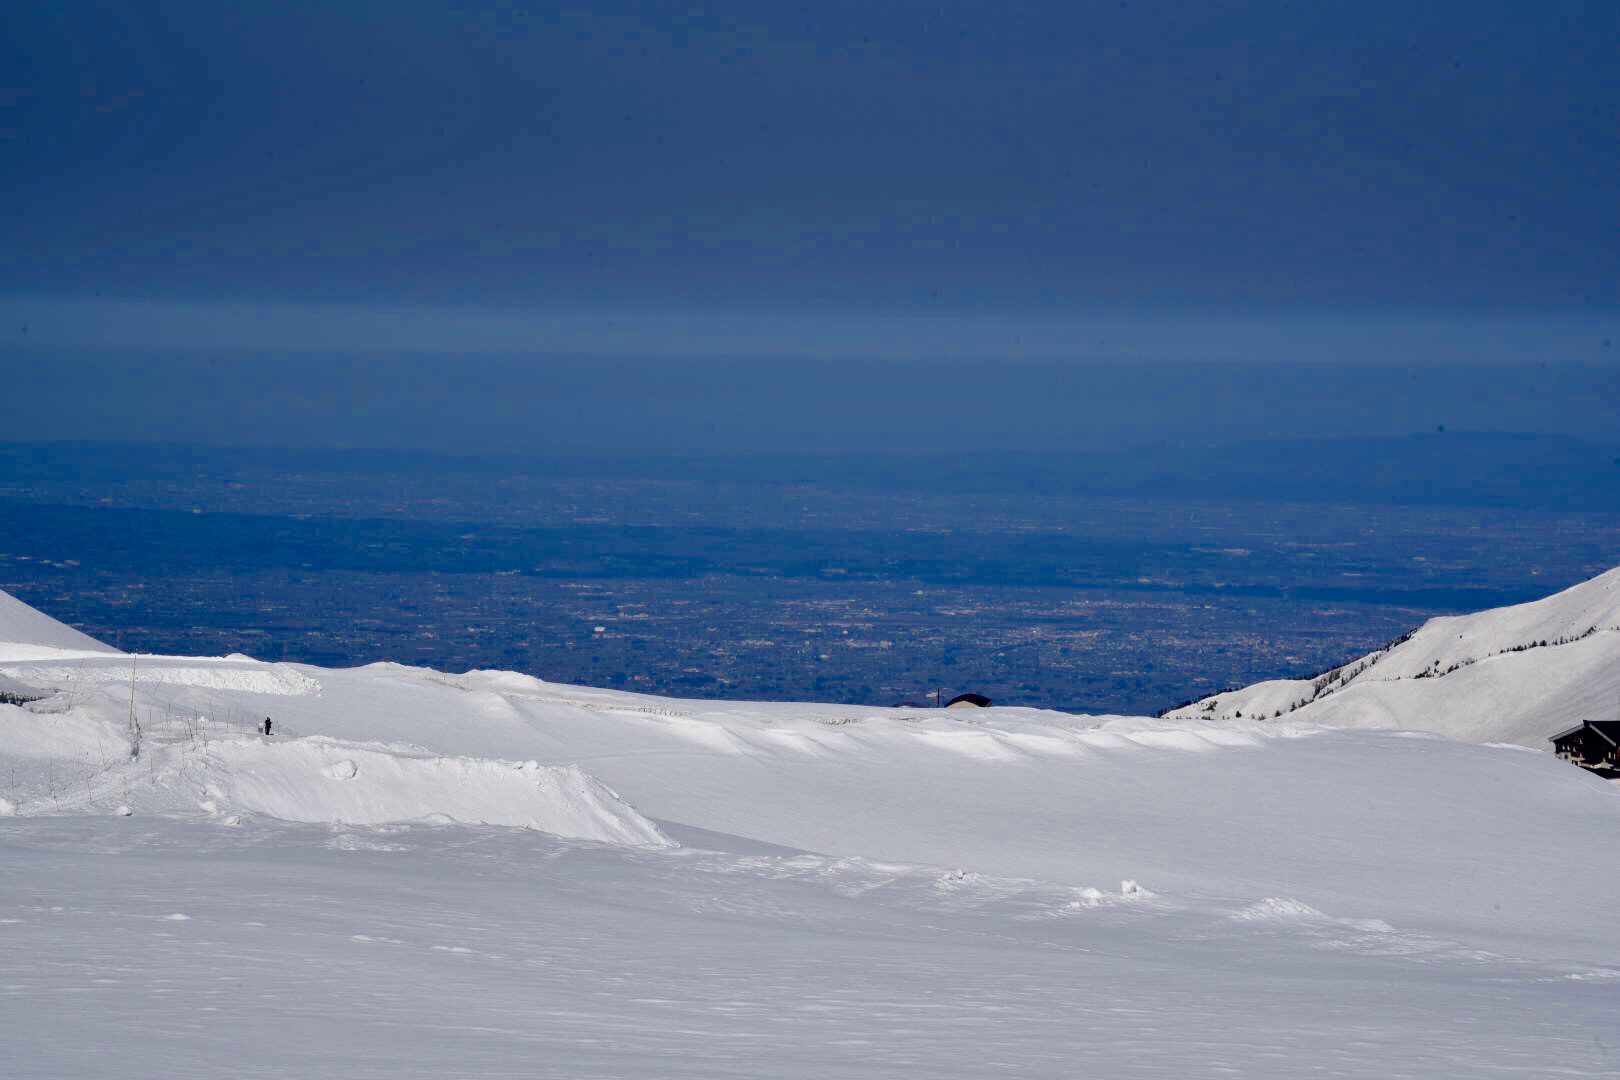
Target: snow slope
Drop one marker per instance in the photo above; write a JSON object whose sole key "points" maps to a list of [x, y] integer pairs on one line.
{"points": [[1516, 674], [26, 632], [425, 874]]}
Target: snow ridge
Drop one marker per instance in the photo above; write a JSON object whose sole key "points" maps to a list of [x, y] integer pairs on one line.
{"points": [[239, 673], [1493, 692]]}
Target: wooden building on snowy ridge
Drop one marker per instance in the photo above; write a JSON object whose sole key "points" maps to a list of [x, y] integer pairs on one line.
{"points": [[1594, 745]]}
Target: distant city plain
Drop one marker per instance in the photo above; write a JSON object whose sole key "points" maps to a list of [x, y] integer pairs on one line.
{"points": [[1122, 582]]}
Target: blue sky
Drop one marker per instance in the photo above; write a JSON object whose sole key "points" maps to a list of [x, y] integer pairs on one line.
{"points": [[1124, 182]]}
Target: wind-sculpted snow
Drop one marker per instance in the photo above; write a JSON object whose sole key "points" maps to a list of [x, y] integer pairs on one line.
{"points": [[1514, 674], [404, 952], [1244, 807], [380, 888]]}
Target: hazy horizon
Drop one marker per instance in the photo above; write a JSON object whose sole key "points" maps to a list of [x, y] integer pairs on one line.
{"points": [[761, 228]]}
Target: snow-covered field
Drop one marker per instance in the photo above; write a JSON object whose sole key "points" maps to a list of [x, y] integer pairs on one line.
{"points": [[486, 875]]}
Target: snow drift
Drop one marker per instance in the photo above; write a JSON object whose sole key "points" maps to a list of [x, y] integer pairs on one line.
{"points": [[60, 763], [320, 779]]}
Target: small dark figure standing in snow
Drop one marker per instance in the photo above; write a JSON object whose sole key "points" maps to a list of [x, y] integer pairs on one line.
{"points": [[267, 725]]}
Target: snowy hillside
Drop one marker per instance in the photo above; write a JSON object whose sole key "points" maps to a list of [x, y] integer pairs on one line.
{"points": [[1515, 674], [27, 632], [426, 874]]}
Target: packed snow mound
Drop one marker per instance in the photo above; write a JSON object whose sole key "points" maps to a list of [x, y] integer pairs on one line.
{"points": [[319, 779], [1513, 674], [51, 762], [27, 633], [64, 762]]}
